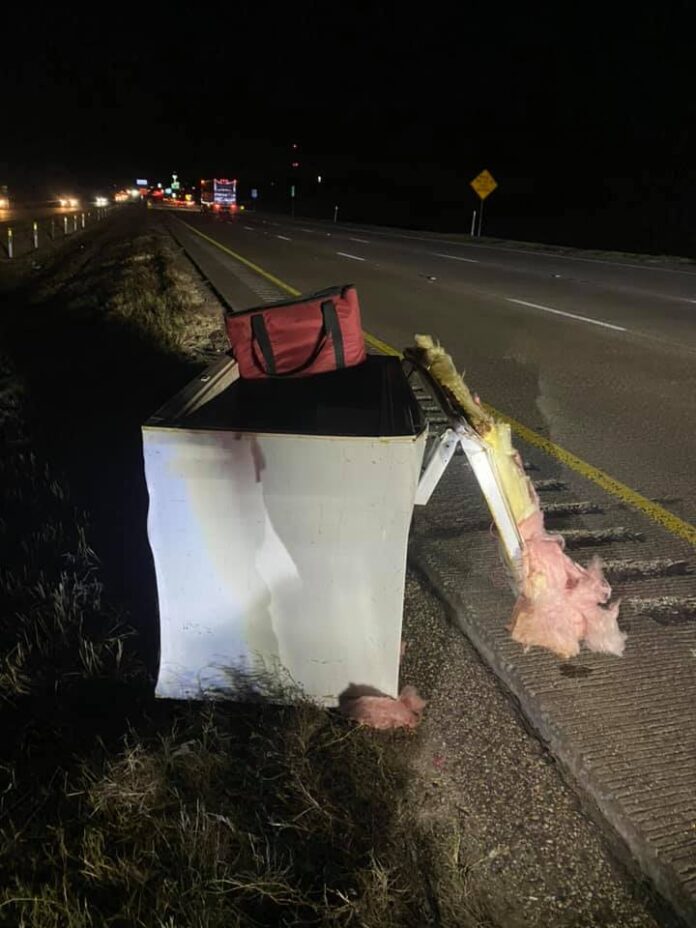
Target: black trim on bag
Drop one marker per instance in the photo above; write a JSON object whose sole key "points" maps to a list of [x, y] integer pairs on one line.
{"points": [[258, 328], [295, 301], [332, 327]]}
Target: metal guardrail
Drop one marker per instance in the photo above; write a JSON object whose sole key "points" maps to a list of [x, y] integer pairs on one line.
{"points": [[28, 236]]}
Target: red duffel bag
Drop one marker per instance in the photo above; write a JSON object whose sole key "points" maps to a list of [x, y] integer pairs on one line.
{"points": [[310, 335]]}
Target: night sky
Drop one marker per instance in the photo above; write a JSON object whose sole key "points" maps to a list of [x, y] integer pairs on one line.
{"points": [[585, 114]]}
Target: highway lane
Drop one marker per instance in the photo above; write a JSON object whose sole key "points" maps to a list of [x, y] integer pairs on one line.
{"points": [[24, 214], [656, 274], [613, 292], [602, 364]]}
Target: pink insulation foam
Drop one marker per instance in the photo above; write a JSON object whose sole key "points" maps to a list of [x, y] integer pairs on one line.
{"points": [[562, 604], [383, 712]]}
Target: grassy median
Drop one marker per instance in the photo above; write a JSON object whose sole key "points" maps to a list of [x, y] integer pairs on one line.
{"points": [[116, 809]]}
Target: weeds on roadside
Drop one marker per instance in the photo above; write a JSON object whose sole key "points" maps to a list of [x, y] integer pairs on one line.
{"points": [[54, 625], [262, 815]]}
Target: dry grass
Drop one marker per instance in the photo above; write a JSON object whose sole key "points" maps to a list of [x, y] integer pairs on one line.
{"points": [[54, 625], [138, 285], [117, 810], [264, 816]]}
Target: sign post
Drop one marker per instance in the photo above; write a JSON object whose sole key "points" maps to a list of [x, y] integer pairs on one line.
{"points": [[484, 184]]}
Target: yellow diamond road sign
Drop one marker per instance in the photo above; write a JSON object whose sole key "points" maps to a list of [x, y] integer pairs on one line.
{"points": [[484, 184]]}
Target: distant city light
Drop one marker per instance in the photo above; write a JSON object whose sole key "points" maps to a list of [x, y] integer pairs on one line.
{"points": [[319, 178], [296, 164]]}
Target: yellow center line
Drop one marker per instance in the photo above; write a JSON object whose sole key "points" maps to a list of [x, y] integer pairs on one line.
{"points": [[245, 261], [658, 514], [655, 512]]}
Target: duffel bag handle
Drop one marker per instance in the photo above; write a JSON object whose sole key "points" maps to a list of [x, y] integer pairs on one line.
{"points": [[330, 326]]}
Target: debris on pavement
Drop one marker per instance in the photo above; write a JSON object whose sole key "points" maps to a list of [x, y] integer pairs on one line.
{"points": [[375, 710], [560, 604]]}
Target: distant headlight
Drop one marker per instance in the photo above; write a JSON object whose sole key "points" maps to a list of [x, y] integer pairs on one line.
{"points": [[73, 202], [101, 201], [4, 203]]}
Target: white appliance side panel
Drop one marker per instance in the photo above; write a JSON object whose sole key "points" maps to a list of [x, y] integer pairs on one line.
{"points": [[277, 549]]}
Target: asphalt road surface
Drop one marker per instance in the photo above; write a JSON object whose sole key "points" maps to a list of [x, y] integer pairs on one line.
{"points": [[23, 214], [596, 354]]}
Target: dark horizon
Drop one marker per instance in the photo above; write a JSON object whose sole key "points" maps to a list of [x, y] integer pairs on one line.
{"points": [[584, 121]]}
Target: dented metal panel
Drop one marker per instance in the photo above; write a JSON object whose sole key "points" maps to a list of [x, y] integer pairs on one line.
{"points": [[278, 551]]}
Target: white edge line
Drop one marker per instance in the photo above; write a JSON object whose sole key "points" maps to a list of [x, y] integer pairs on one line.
{"points": [[455, 257], [249, 228], [344, 254], [284, 238], [363, 241], [559, 312], [301, 229]]}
